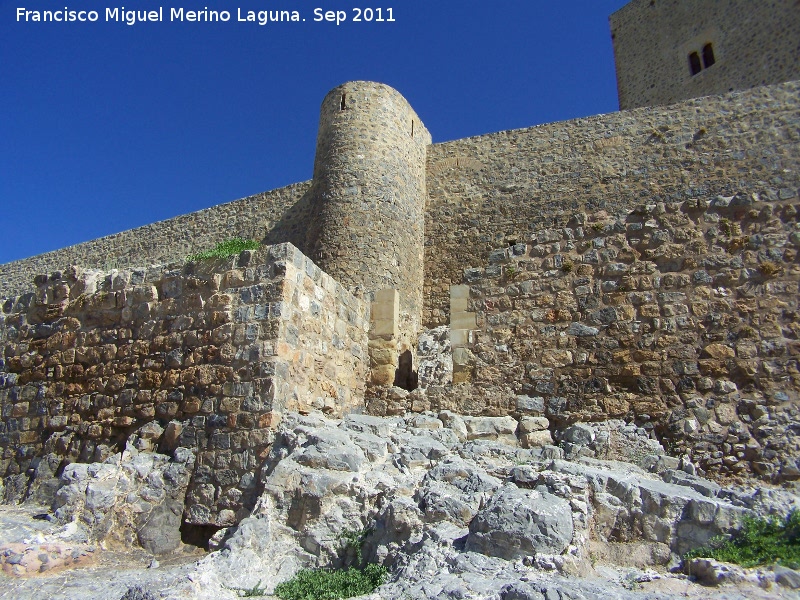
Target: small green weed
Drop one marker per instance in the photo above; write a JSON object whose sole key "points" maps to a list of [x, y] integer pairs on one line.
{"points": [[355, 540], [224, 249], [332, 584], [738, 243], [747, 332], [567, 266], [511, 272], [325, 584], [252, 592], [769, 268], [758, 542], [631, 582]]}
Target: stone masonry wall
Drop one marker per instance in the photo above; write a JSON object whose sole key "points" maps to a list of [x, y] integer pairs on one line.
{"points": [[680, 317], [754, 43], [201, 355], [493, 191], [272, 217]]}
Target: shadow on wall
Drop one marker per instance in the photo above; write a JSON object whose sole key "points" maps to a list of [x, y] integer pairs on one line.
{"points": [[296, 226]]}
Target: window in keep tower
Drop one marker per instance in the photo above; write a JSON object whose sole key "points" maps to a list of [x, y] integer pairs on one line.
{"points": [[708, 56], [694, 64]]}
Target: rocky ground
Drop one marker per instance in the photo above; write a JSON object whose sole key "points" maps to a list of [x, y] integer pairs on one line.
{"points": [[455, 507]]}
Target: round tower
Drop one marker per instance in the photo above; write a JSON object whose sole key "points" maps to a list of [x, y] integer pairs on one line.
{"points": [[369, 197]]}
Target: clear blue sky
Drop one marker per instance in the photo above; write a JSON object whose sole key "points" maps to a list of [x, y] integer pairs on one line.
{"points": [[105, 127]]}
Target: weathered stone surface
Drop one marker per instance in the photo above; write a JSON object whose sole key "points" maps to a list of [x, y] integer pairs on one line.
{"points": [[788, 578], [491, 428], [581, 330], [536, 439], [518, 523], [711, 572], [131, 496], [138, 593], [422, 520], [719, 351], [331, 450], [160, 533], [530, 405], [455, 490], [578, 434]]}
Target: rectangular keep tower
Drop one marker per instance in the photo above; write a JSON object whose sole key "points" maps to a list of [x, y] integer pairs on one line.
{"points": [[672, 50]]}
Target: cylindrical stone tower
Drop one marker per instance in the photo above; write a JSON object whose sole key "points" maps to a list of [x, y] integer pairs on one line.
{"points": [[369, 196]]}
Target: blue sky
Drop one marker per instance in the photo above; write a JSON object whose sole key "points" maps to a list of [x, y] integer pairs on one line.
{"points": [[106, 126]]}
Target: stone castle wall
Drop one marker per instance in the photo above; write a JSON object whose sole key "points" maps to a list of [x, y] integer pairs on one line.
{"points": [[642, 265], [205, 356], [486, 192], [754, 43], [681, 317], [493, 191], [272, 217]]}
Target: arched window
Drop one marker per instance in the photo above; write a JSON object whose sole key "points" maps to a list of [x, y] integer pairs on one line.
{"points": [[708, 56], [694, 64]]}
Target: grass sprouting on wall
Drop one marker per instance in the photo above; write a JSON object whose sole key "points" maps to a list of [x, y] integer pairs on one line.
{"points": [[230, 247], [326, 584], [758, 542]]}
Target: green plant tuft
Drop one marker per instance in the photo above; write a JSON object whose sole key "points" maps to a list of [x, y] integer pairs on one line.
{"points": [[511, 272], [354, 540], [325, 584], [758, 542], [769, 268], [252, 592], [567, 266], [230, 247], [747, 332]]}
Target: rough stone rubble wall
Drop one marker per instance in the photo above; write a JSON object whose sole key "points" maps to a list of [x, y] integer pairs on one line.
{"points": [[680, 317], [754, 43], [272, 217], [492, 191], [205, 356]]}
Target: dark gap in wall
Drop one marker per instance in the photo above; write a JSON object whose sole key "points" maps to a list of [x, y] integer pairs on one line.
{"points": [[404, 376], [412, 127], [708, 56], [61, 466], [197, 535], [694, 63], [344, 99]]}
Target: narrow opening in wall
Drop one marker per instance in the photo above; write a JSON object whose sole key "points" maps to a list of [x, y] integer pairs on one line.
{"points": [[708, 56], [694, 64], [197, 535], [344, 101], [412, 128], [404, 376]]}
